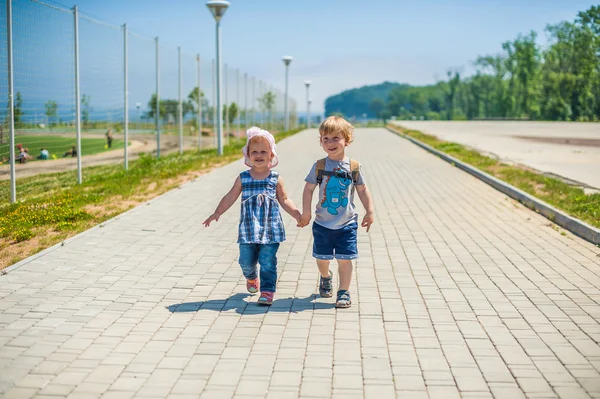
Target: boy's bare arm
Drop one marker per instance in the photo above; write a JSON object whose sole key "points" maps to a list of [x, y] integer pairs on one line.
{"points": [[226, 202], [367, 201], [307, 196], [286, 203]]}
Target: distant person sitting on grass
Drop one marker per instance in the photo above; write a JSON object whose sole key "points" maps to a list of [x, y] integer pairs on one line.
{"points": [[109, 138], [44, 154], [72, 152], [23, 155]]}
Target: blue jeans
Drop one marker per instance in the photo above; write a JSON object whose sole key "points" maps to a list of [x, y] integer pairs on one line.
{"points": [[266, 255]]}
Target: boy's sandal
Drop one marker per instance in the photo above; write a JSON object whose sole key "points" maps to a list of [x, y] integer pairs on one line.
{"points": [[343, 299], [325, 286], [266, 298]]}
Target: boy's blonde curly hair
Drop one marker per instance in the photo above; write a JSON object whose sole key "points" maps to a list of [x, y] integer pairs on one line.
{"points": [[337, 124]]}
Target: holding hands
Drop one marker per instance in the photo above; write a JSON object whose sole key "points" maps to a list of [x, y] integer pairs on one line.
{"points": [[304, 219]]}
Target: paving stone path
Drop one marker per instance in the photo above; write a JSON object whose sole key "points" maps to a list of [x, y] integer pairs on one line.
{"points": [[459, 292]]}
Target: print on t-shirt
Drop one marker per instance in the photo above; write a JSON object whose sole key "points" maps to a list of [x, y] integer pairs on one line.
{"points": [[335, 193]]}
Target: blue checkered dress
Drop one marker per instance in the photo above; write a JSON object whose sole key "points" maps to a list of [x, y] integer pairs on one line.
{"points": [[260, 219]]}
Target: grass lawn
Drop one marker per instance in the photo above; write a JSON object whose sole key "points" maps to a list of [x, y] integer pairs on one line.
{"points": [[53, 207], [571, 200], [58, 145]]}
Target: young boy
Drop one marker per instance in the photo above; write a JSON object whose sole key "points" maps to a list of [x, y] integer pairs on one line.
{"points": [[336, 221]]}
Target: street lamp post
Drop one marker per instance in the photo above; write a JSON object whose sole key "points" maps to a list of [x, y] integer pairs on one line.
{"points": [[307, 84], [218, 8], [286, 60]]}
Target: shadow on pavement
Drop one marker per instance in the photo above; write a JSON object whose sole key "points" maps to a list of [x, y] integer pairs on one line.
{"points": [[238, 304]]}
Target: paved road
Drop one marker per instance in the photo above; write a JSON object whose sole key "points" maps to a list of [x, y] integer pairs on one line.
{"points": [[460, 292], [540, 145]]}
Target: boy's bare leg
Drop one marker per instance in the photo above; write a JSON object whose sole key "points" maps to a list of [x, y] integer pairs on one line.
{"points": [[345, 270], [323, 266]]}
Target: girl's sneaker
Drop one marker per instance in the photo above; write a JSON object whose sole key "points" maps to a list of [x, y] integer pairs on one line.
{"points": [[266, 298], [252, 286], [343, 299]]}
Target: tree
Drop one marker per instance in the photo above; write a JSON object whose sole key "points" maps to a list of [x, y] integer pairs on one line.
{"points": [[453, 83], [523, 64], [18, 111], [558, 82], [193, 100], [85, 111], [168, 107], [233, 112], [377, 105], [267, 102], [51, 110], [151, 113], [590, 19]]}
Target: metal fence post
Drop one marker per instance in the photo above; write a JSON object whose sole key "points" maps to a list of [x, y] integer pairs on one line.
{"points": [[261, 93], [246, 101], [77, 96], [11, 109], [270, 88], [225, 99], [214, 101], [237, 100], [199, 106], [157, 105], [180, 105], [253, 100], [126, 99]]}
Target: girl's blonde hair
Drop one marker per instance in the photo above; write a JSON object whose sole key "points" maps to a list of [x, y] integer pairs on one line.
{"points": [[337, 124]]}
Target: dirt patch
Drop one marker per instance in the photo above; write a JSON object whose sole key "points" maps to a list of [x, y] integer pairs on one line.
{"points": [[151, 187], [562, 140], [11, 252], [539, 189]]}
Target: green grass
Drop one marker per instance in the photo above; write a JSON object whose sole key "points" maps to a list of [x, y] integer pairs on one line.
{"points": [[58, 145], [570, 199], [52, 207]]}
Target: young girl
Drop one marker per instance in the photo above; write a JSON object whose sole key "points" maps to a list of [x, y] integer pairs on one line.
{"points": [[261, 227]]}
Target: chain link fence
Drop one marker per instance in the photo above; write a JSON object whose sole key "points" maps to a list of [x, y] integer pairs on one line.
{"points": [[117, 75]]}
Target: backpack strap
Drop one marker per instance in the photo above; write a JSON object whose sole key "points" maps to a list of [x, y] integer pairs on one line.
{"points": [[319, 170], [354, 168]]}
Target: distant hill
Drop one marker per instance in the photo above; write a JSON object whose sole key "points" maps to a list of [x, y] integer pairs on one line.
{"points": [[355, 102]]}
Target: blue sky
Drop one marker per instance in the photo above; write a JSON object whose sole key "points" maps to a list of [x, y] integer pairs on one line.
{"points": [[339, 44]]}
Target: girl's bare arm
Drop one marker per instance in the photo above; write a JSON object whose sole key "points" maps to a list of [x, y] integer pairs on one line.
{"points": [[226, 202], [286, 203]]}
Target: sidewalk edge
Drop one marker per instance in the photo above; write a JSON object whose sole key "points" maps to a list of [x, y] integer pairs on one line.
{"points": [[570, 223]]}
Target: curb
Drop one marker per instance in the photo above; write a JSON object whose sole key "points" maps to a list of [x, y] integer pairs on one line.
{"points": [[574, 225]]}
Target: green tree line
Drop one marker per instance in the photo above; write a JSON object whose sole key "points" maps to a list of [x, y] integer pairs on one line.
{"points": [[558, 82]]}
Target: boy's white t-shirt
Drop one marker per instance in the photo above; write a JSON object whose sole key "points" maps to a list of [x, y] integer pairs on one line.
{"points": [[335, 207]]}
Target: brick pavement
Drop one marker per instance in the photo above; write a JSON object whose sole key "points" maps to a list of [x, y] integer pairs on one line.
{"points": [[459, 292]]}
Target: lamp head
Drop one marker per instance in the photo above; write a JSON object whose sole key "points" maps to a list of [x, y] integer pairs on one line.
{"points": [[217, 8]]}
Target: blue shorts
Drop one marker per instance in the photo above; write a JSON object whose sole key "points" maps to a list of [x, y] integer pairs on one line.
{"points": [[339, 244]]}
